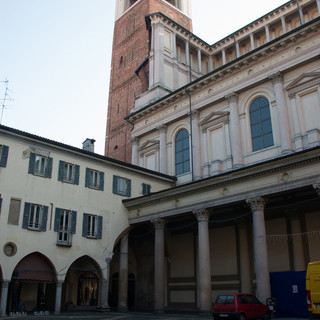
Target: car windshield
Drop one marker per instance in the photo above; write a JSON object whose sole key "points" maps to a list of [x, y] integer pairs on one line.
{"points": [[225, 299], [253, 300]]}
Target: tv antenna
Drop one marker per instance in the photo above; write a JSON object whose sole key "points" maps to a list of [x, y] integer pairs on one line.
{"points": [[5, 98]]}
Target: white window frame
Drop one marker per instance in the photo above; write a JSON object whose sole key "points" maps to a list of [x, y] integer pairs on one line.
{"points": [[92, 230], [40, 165], [35, 217], [64, 233], [94, 178], [69, 172]]}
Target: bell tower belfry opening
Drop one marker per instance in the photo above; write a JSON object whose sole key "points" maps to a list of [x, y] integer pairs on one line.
{"points": [[129, 76]]}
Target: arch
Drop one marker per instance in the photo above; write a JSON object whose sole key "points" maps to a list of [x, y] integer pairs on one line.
{"points": [[260, 124], [33, 284], [182, 152]]}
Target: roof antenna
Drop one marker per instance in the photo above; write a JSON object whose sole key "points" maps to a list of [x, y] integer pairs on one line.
{"points": [[5, 98]]}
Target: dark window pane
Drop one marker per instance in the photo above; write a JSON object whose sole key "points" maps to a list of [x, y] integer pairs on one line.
{"points": [[268, 140]]}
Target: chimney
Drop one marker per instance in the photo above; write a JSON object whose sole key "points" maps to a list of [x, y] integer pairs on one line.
{"points": [[88, 145]]}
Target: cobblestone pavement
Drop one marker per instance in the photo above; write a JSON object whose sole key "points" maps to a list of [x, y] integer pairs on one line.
{"points": [[110, 316]]}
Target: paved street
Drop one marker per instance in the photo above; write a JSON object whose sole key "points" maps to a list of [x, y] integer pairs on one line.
{"points": [[111, 316], [120, 316]]}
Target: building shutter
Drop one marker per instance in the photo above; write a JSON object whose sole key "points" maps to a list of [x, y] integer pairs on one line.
{"points": [[0, 204], [26, 214], [56, 226], [76, 174], [87, 182], [48, 168], [85, 225], [115, 185], [61, 170], [73, 221], [32, 161], [101, 187], [43, 226], [128, 192], [99, 231], [4, 156]]}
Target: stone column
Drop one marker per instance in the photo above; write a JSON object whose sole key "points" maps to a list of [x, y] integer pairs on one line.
{"points": [[187, 54], [236, 147], [298, 142], [104, 295], [297, 245], [202, 216], [224, 60], [318, 5], [159, 279], [300, 13], [123, 274], [283, 22], [277, 81], [210, 64], [57, 308], [135, 151], [245, 278], [205, 156], [174, 45], [252, 41], [163, 148], [237, 49], [260, 248], [4, 298], [196, 144], [199, 61], [266, 28]]}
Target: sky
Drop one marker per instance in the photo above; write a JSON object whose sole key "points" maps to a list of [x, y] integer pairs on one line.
{"points": [[55, 58]]}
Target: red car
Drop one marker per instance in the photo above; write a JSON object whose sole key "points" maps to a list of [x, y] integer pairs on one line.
{"points": [[240, 306]]}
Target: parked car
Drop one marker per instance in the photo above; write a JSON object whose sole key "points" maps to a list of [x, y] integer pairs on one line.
{"points": [[240, 306]]}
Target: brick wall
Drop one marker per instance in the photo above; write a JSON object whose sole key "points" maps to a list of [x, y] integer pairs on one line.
{"points": [[130, 49]]}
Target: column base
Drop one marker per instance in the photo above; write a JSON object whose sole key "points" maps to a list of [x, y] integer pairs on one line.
{"points": [[122, 309], [103, 309]]}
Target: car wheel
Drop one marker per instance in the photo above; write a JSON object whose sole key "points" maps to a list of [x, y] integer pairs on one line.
{"points": [[242, 317]]}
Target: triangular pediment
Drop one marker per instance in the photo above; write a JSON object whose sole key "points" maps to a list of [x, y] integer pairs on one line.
{"points": [[149, 144], [304, 79], [213, 116]]}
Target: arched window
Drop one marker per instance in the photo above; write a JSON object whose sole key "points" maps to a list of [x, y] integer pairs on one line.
{"points": [[261, 127], [182, 152]]}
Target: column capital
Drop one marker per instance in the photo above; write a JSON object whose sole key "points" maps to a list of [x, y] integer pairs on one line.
{"points": [[162, 128], [257, 203], [317, 188], [159, 223], [195, 114], [134, 140], [232, 97], [276, 77], [292, 96], [202, 214]]}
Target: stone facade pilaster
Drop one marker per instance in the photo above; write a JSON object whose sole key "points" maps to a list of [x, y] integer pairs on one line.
{"points": [[4, 297], [123, 274], [163, 149]]}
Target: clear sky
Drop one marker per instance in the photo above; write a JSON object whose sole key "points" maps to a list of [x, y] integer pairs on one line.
{"points": [[56, 55]]}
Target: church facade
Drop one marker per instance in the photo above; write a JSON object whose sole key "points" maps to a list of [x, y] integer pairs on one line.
{"points": [[210, 183]]}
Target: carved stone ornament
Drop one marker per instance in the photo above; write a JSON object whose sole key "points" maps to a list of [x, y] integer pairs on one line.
{"points": [[10, 249], [276, 78], [202, 214], [232, 97], [257, 204], [159, 223], [317, 188]]}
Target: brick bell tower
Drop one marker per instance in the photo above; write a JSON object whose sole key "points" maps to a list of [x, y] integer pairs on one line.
{"points": [[129, 75]]}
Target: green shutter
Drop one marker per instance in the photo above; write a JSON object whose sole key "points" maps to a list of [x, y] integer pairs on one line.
{"points": [[85, 225], [56, 226], [128, 182], [26, 214], [0, 204], [61, 170], [44, 219], [101, 174], [115, 185], [73, 221], [48, 171], [32, 161], [87, 182], [76, 174], [4, 156], [99, 231]]}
